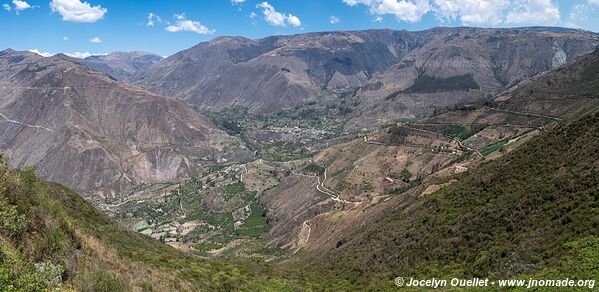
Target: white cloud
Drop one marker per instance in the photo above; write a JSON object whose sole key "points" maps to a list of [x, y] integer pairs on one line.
{"points": [[409, 11], [403, 10], [334, 19], [21, 5], [579, 12], [468, 12], [275, 18], [237, 2], [184, 24], [152, 19], [77, 11], [95, 40], [593, 2], [43, 54], [356, 2], [534, 12], [471, 12], [293, 20], [378, 19], [66, 38]]}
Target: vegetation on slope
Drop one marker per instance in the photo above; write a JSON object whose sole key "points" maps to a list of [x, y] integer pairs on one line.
{"points": [[528, 213], [567, 91], [432, 84], [50, 237]]}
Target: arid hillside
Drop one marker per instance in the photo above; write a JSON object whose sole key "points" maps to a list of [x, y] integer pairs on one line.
{"points": [[100, 137], [389, 73], [120, 65]]}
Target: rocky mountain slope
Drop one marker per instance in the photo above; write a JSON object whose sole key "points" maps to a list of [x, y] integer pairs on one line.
{"points": [[120, 65], [94, 134], [510, 208], [567, 92], [516, 215], [392, 71]]}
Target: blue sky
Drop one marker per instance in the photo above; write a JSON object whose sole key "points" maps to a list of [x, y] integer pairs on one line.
{"points": [[168, 26]]}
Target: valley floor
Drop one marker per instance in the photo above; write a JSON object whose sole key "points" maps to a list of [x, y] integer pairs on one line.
{"points": [[273, 208]]}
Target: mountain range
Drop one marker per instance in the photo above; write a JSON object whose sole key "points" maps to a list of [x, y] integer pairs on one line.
{"points": [[320, 161], [120, 65], [388, 73], [99, 136], [528, 213], [62, 115]]}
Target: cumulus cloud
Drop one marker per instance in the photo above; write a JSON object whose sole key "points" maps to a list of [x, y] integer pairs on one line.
{"points": [[409, 11], [356, 2], [21, 5], [403, 10], [471, 12], [77, 11], [468, 12], [273, 17], [534, 12], [293, 20], [580, 12], [95, 40], [152, 19], [184, 24], [334, 19]]}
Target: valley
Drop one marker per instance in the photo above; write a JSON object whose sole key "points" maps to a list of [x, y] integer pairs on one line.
{"points": [[331, 161], [308, 172]]}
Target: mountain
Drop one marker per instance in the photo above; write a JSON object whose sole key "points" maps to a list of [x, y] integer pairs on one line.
{"points": [[52, 239], [504, 187], [531, 212], [528, 210], [390, 72], [99, 136], [271, 73], [568, 91], [464, 65], [120, 65]]}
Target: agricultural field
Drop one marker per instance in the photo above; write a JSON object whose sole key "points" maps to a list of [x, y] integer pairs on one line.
{"points": [[210, 215], [261, 208]]}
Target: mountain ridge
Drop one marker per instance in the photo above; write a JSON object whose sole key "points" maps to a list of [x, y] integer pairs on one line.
{"points": [[104, 135], [120, 65], [290, 71]]}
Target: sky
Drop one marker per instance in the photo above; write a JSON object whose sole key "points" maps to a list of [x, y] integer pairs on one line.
{"points": [[164, 27]]}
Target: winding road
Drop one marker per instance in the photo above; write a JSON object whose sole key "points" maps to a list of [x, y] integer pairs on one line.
{"points": [[524, 114], [444, 135], [24, 124], [324, 190]]}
